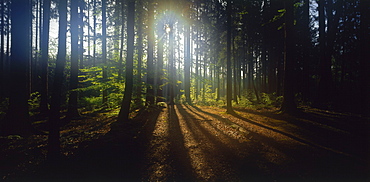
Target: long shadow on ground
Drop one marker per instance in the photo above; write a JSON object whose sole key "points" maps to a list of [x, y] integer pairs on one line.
{"points": [[179, 158], [223, 158], [314, 162], [117, 156]]}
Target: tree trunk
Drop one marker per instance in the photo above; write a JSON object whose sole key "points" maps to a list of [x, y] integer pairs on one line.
{"points": [[289, 105], [125, 106], [55, 103], [364, 55], [323, 92], [17, 118], [104, 51], [150, 65], [2, 48], [73, 84], [171, 67], [160, 65], [120, 62], [94, 37], [187, 60], [81, 18], [44, 57], [140, 35], [228, 64]]}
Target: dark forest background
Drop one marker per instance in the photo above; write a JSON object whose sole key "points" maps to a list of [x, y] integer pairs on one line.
{"points": [[62, 59]]}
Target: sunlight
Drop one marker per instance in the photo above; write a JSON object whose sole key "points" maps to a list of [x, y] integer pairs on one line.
{"points": [[159, 150], [168, 29], [197, 156]]}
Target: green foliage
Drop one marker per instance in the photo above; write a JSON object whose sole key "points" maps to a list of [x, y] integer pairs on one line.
{"points": [[209, 98], [271, 100], [34, 102], [3, 107], [249, 99], [92, 85]]}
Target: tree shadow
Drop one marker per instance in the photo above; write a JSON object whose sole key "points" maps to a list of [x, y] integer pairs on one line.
{"points": [[179, 157], [329, 163], [330, 131], [116, 156]]}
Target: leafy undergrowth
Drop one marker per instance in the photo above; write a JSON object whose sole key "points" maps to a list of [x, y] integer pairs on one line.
{"points": [[20, 155]]}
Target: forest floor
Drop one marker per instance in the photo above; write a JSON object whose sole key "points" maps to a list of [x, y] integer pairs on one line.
{"points": [[199, 143]]}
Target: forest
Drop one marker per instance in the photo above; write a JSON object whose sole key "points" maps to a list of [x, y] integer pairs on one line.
{"points": [[184, 90]]}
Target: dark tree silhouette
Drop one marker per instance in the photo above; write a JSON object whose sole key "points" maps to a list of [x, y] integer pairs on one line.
{"points": [[56, 95], [187, 55], [228, 62], [73, 84], [17, 118], [125, 106], [289, 105], [150, 54], [104, 49], [44, 103]]}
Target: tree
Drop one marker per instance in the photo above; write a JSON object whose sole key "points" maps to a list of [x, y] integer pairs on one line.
{"points": [[73, 84], [81, 32], [289, 105], [44, 107], [104, 50], [364, 53], [17, 118], [120, 61], [150, 66], [2, 47], [140, 35], [187, 63], [56, 95], [228, 63], [125, 105]]}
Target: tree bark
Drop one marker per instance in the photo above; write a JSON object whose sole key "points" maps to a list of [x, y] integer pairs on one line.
{"points": [[44, 57], [55, 103], [150, 66], [73, 84], [104, 51], [17, 117], [289, 105], [228, 63], [2, 48], [187, 63], [140, 35], [125, 106]]}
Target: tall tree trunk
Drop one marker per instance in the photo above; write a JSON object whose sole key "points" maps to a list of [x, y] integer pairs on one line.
{"points": [[81, 18], [94, 37], [140, 35], [120, 62], [160, 65], [187, 60], [44, 57], [88, 33], [73, 84], [2, 48], [55, 103], [125, 106], [365, 55], [307, 50], [228, 63], [171, 69], [150, 65], [323, 93], [17, 118], [104, 50], [289, 105]]}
